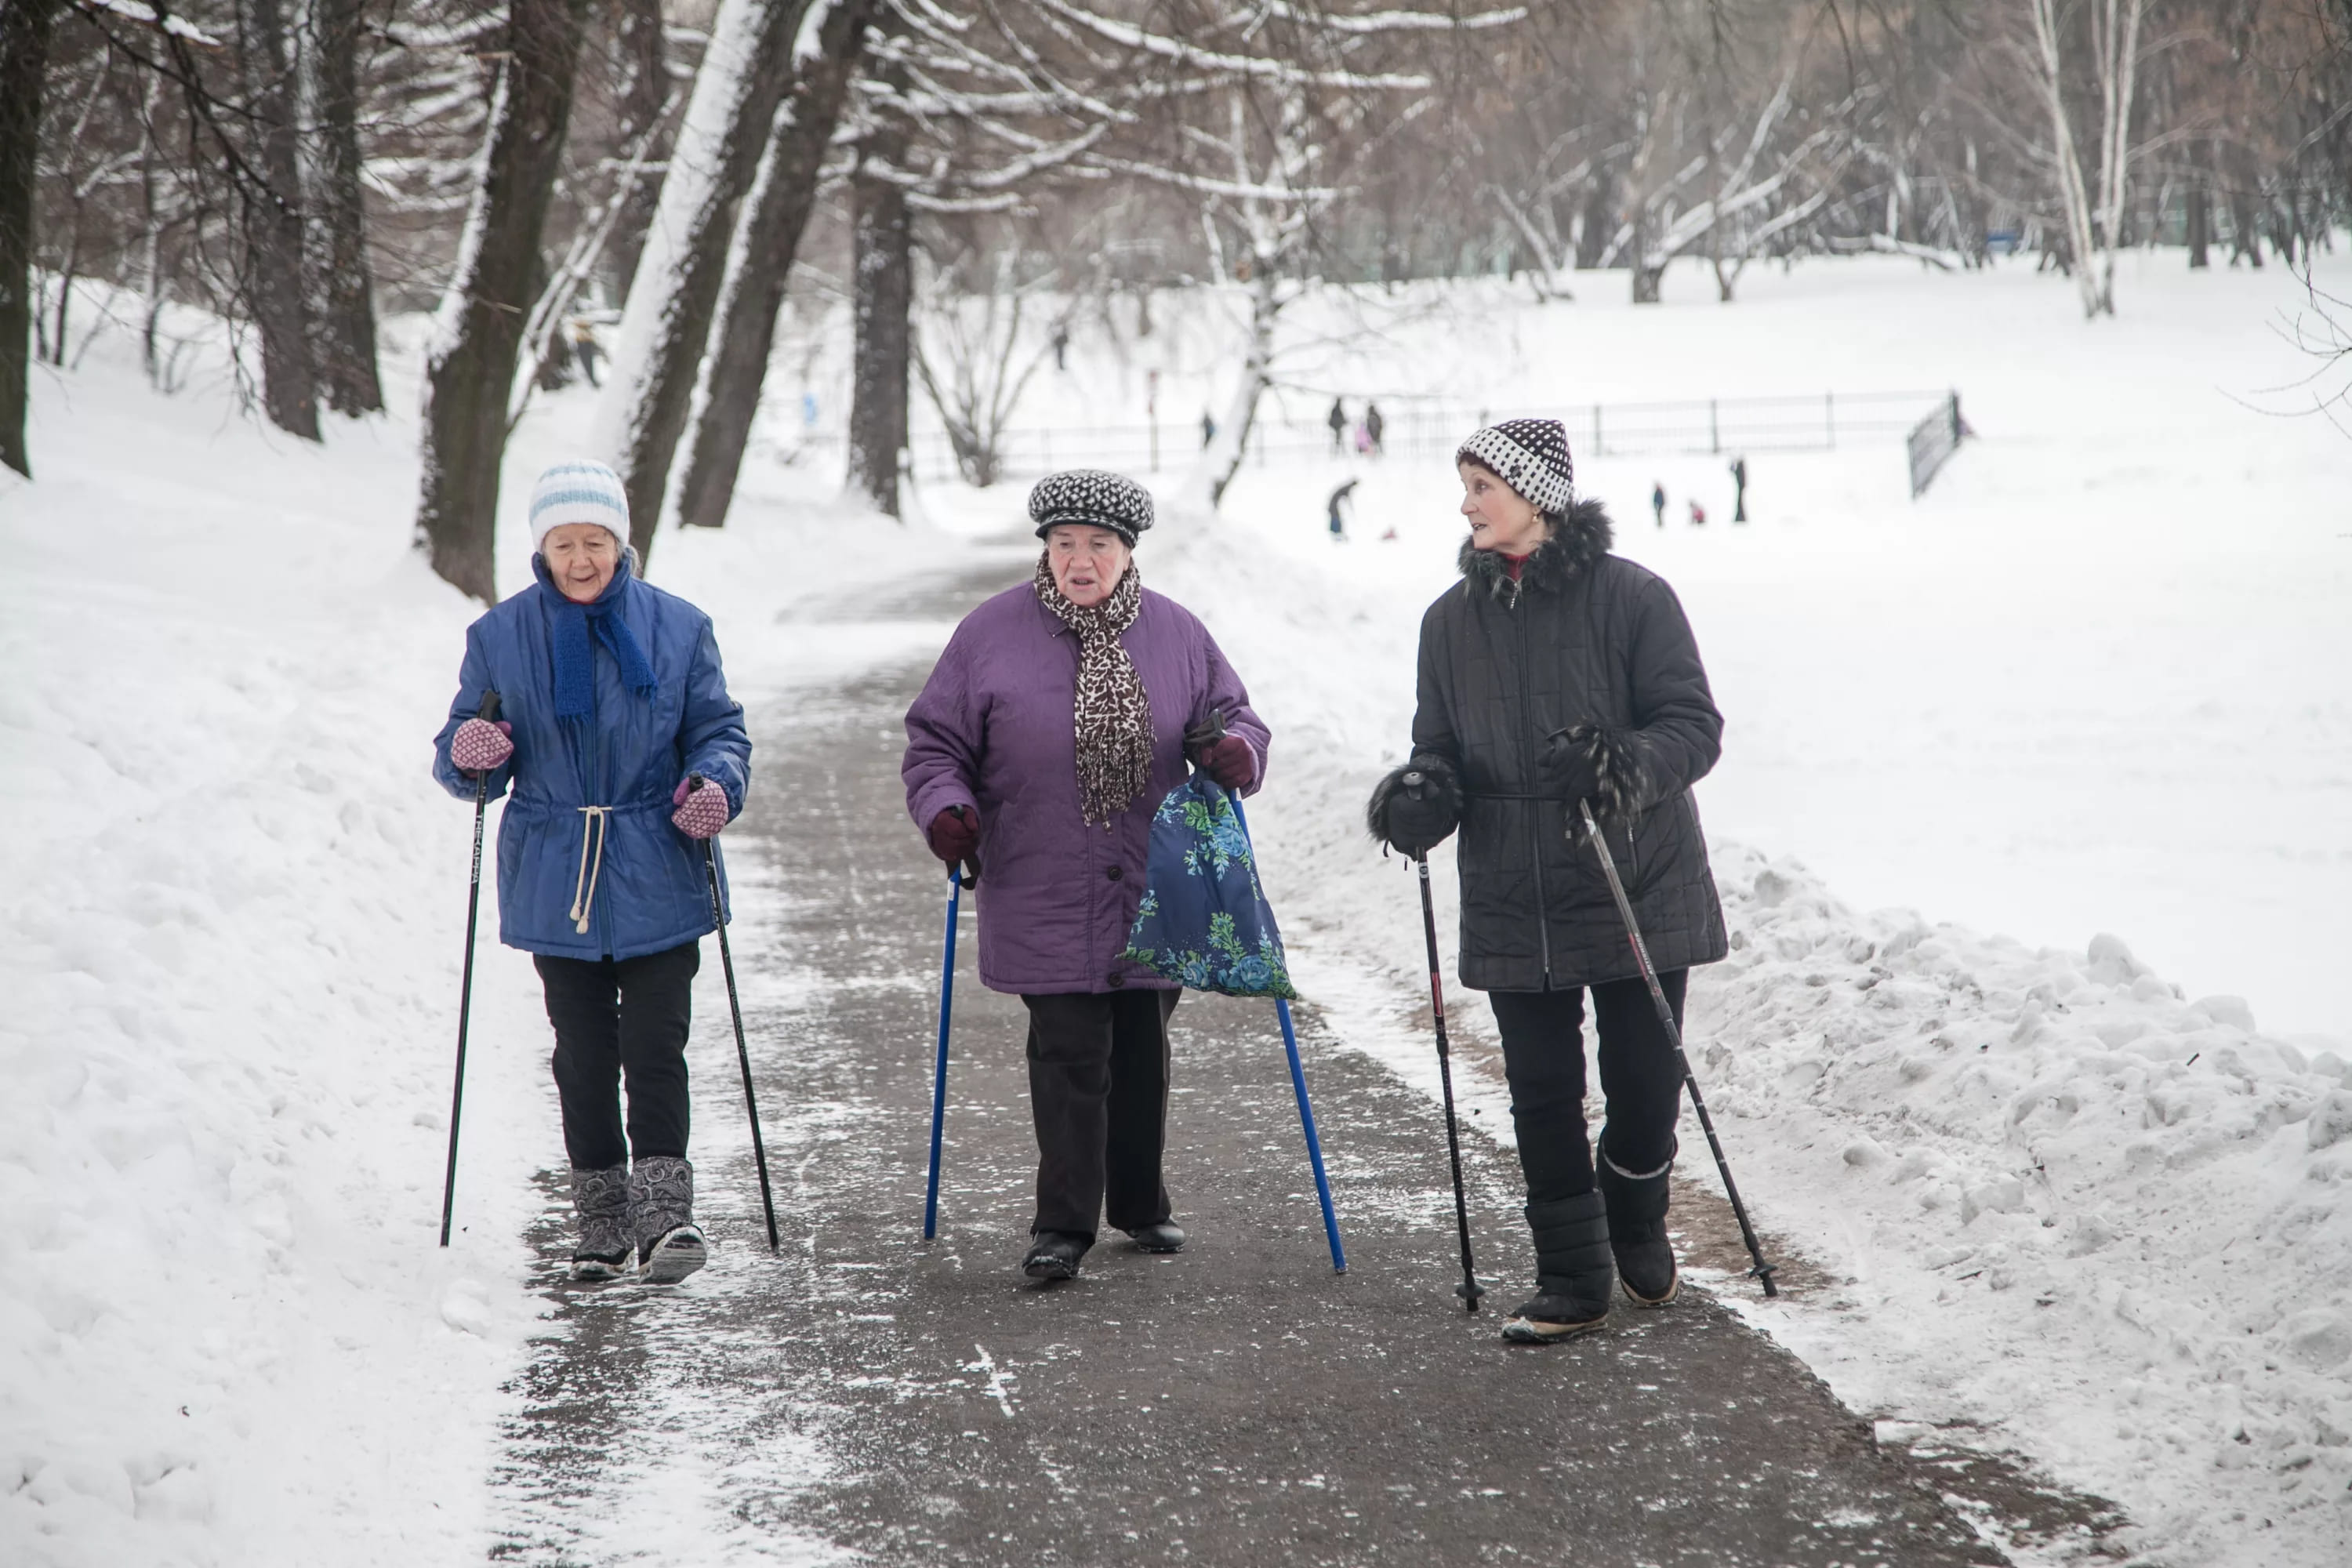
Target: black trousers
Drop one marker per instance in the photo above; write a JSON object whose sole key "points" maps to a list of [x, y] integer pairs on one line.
{"points": [[616, 1020], [1543, 1057], [1099, 1092]]}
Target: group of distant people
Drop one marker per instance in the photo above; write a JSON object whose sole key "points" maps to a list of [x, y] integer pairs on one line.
{"points": [[1698, 511], [1366, 430]]}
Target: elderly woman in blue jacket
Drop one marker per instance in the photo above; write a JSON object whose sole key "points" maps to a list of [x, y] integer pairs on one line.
{"points": [[624, 753]]}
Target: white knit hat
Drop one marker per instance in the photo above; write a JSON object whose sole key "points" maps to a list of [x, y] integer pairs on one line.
{"points": [[578, 490]]}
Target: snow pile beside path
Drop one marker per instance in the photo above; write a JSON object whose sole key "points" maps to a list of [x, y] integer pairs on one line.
{"points": [[2067, 1205], [230, 948]]}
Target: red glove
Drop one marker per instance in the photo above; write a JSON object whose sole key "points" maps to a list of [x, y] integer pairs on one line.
{"points": [[480, 745], [954, 833], [1229, 762], [701, 809]]}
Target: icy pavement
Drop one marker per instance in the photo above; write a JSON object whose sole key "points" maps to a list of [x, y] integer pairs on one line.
{"points": [[1238, 1403]]}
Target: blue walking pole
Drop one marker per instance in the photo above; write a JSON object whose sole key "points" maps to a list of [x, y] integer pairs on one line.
{"points": [[956, 883], [1306, 1111]]}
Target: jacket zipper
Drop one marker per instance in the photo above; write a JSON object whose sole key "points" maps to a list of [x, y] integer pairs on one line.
{"points": [[1535, 808]]}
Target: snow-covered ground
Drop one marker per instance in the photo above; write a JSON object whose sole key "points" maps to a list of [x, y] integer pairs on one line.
{"points": [[2092, 682]]}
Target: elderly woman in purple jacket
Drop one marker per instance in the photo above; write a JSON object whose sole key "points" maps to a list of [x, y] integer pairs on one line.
{"points": [[1060, 715]]}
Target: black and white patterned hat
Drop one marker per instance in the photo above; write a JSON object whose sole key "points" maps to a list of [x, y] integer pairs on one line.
{"points": [[1093, 497], [1531, 455]]}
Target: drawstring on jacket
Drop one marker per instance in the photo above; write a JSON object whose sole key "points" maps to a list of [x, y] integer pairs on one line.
{"points": [[584, 885]]}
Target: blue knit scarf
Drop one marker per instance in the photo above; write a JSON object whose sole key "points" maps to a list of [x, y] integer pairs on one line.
{"points": [[576, 660]]}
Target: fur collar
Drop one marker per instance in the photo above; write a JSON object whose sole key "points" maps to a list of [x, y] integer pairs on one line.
{"points": [[1578, 540]]}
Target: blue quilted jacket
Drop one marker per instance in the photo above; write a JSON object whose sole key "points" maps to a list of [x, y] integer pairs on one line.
{"points": [[635, 882]]}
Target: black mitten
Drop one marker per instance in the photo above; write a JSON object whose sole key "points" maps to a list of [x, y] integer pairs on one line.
{"points": [[1591, 763], [1415, 806]]}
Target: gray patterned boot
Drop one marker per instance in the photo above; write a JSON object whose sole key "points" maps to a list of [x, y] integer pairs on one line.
{"points": [[661, 1199], [601, 1200]]}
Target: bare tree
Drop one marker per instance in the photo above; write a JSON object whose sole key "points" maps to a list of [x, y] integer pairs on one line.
{"points": [[277, 288], [666, 323], [881, 295], [24, 30], [779, 212], [470, 366], [644, 107], [2094, 212], [346, 339]]}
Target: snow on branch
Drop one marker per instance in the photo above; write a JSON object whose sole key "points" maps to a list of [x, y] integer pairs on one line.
{"points": [[1372, 22]]}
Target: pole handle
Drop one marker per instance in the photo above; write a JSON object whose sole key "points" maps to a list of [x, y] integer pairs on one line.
{"points": [[488, 711]]}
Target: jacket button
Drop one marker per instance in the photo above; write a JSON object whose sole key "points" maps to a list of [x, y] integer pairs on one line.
{"points": [[1116, 872], [1117, 980]]}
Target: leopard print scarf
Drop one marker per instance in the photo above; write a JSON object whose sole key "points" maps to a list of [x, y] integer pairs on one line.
{"points": [[1113, 714]]}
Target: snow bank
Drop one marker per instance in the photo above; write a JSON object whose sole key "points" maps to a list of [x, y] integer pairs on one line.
{"points": [[230, 947]]}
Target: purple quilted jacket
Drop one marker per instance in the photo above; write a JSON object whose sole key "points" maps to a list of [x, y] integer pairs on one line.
{"points": [[993, 730]]}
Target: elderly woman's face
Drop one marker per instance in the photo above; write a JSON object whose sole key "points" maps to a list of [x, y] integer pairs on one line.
{"points": [[582, 558], [1088, 561], [1500, 517]]}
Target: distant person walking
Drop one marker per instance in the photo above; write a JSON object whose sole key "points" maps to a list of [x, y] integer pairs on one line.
{"points": [[1342, 497], [1699, 515], [1375, 426], [1208, 429], [585, 349], [1061, 345], [1658, 503], [1338, 420], [1739, 488]]}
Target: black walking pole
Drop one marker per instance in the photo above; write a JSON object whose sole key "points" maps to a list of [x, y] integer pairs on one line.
{"points": [[1763, 1270], [1469, 1289], [488, 714], [957, 882], [742, 1052]]}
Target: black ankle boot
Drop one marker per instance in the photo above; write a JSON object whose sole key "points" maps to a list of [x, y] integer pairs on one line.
{"points": [[1055, 1253], [1637, 1228], [1572, 1271]]}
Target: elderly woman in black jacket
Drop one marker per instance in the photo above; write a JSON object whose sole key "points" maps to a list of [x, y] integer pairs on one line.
{"points": [[1555, 672]]}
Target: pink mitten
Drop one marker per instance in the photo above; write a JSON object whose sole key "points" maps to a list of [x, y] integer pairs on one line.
{"points": [[479, 745], [701, 809]]}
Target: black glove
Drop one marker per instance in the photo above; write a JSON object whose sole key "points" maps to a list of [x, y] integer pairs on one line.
{"points": [[1589, 763], [1415, 806], [1568, 765]]}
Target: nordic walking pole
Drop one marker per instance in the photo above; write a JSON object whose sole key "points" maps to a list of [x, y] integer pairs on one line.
{"points": [[742, 1053], [1469, 1289], [1763, 1270], [488, 714], [1306, 1111], [956, 885]]}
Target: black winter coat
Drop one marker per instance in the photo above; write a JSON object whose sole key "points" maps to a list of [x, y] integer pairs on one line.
{"points": [[1583, 637]]}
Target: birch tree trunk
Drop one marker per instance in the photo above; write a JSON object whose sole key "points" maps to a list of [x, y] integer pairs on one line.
{"points": [[1222, 458], [346, 341], [664, 328], [276, 291], [24, 30], [882, 296], [469, 370], [770, 238], [2073, 197]]}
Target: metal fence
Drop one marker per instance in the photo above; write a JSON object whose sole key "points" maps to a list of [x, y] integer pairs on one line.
{"points": [[1933, 441], [1427, 428]]}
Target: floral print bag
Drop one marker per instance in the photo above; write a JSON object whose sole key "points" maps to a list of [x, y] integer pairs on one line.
{"points": [[1205, 922]]}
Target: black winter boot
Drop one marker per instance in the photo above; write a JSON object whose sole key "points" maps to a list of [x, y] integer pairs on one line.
{"points": [[601, 1200], [1572, 1271], [669, 1245], [1637, 1229]]}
